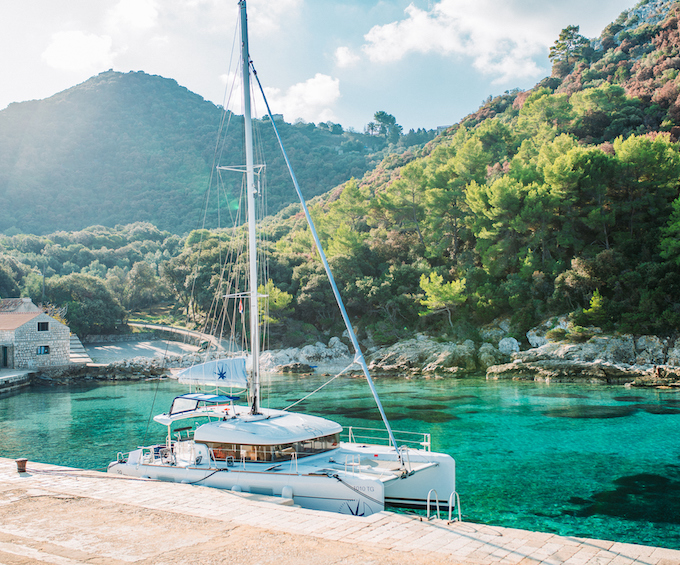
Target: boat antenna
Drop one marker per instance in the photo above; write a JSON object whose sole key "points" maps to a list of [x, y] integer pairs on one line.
{"points": [[250, 192], [358, 355]]}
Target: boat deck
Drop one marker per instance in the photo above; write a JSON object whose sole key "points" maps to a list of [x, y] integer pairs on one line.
{"points": [[66, 516]]}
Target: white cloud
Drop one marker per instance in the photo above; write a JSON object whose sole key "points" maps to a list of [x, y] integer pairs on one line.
{"points": [[498, 35], [232, 96], [266, 16], [79, 51], [345, 57], [135, 14], [311, 100]]}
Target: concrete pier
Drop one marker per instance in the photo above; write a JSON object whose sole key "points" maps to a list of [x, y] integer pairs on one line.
{"points": [[65, 516], [12, 381]]}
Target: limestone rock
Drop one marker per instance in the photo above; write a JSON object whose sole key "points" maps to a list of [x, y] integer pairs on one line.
{"points": [[649, 350], [423, 354], [612, 349], [339, 348], [494, 332], [537, 336], [615, 349], [618, 359], [508, 346], [488, 355], [564, 371], [673, 357], [335, 353]]}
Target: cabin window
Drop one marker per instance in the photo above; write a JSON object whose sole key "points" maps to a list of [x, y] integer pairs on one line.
{"points": [[223, 451], [43, 326], [267, 453], [43, 350]]}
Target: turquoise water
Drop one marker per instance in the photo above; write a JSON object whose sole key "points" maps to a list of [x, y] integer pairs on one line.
{"points": [[592, 461]]}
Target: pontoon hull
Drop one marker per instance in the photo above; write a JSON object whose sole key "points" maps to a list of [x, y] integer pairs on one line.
{"points": [[344, 494], [352, 479]]}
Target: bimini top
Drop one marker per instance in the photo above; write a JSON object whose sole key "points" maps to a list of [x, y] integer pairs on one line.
{"points": [[235, 424], [195, 404], [191, 401]]}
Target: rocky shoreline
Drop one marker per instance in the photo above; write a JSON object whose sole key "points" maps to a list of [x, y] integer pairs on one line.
{"points": [[622, 359], [647, 361]]}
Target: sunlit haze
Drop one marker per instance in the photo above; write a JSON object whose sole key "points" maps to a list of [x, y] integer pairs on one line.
{"points": [[427, 62]]}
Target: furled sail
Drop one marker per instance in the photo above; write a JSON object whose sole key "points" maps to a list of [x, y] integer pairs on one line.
{"points": [[221, 372]]}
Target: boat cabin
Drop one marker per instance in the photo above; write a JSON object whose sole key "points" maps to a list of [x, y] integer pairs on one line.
{"points": [[227, 430]]}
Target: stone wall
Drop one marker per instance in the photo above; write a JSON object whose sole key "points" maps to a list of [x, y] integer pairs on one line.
{"points": [[7, 341], [144, 336], [27, 340], [119, 338]]}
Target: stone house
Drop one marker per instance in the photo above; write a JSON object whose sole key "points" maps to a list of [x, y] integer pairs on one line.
{"points": [[29, 338]]}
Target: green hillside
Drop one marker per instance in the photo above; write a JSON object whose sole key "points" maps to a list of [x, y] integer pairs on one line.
{"points": [[122, 148], [564, 199], [559, 199]]}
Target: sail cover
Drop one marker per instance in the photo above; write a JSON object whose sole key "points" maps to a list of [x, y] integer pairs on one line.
{"points": [[222, 372]]}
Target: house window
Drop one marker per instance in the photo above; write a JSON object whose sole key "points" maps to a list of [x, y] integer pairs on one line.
{"points": [[43, 350], [43, 326]]}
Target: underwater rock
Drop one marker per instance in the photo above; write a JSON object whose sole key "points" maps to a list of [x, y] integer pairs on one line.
{"points": [[297, 368], [644, 497]]}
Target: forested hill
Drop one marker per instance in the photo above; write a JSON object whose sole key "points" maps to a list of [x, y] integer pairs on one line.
{"points": [[121, 148], [564, 198]]}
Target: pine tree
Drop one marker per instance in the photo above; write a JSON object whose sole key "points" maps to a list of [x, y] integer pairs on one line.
{"points": [[568, 46]]}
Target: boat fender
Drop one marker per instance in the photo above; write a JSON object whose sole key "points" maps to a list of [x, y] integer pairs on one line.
{"points": [[236, 488], [287, 492]]}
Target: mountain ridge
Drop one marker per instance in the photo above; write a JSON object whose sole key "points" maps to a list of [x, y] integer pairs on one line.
{"points": [[127, 147]]}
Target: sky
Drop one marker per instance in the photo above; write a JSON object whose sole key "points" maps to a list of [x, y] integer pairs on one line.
{"points": [[427, 62]]}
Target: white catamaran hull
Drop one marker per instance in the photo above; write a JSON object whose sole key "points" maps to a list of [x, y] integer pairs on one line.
{"points": [[351, 479]]}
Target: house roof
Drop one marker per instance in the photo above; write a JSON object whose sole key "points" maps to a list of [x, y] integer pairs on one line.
{"points": [[17, 305], [16, 320]]}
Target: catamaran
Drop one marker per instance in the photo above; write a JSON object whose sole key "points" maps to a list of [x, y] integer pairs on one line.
{"points": [[214, 441]]}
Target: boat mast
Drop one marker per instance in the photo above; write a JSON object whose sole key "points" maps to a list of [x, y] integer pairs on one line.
{"points": [[359, 356], [250, 190]]}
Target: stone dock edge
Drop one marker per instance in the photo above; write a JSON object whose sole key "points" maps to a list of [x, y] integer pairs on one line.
{"points": [[63, 515]]}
